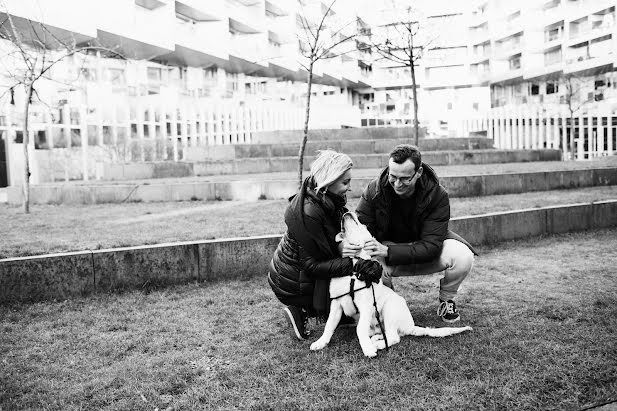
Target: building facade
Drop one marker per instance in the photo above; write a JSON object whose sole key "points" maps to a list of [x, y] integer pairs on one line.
{"points": [[177, 51], [449, 90], [529, 51]]}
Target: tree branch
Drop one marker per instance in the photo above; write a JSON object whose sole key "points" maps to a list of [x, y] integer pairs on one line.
{"points": [[326, 50]]}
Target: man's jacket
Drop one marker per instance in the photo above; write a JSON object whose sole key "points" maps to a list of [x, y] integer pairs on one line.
{"points": [[432, 215]]}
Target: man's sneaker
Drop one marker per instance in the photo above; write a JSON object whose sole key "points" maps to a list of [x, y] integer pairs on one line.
{"points": [[447, 311], [298, 319]]}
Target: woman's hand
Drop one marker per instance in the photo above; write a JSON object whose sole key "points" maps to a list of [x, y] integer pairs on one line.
{"points": [[348, 250], [375, 248]]}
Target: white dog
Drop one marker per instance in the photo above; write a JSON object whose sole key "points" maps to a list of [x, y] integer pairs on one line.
{"points": [[362, 300]]}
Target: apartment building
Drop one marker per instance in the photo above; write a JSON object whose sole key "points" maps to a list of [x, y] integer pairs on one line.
{"points": [[529, 50], [448, 85], [178, 51]]}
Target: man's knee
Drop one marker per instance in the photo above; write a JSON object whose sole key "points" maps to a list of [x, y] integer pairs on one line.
{"points": [[457, 257]]}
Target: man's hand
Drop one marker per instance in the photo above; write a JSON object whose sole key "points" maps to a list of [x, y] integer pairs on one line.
{"points": [[375, 248], [348, 250]]}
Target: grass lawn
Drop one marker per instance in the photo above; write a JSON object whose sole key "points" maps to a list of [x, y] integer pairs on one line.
{"points": [[52, 228], [543, 311]]}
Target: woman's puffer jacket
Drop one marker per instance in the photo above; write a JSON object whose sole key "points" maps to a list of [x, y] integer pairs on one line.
{"points": [[293, 271]]}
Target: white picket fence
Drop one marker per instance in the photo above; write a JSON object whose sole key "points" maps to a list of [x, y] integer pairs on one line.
{"points": [[593, 134], [141, 132]]}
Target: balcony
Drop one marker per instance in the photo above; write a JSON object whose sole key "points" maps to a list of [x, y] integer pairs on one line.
{"points": [[197, 12], [506, 76], [591, 27], [478, 17], [189, 36], [479, 34], [551, 13], [246, 18], [510, 47], [543, 71], [505, 28], [579, 9], [448, 76], [252, 47], [141, 33], [150, 4], [588, 63], [277, 8]]}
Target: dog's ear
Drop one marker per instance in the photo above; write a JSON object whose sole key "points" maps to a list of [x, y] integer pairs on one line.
{"points": [[340, 237]]}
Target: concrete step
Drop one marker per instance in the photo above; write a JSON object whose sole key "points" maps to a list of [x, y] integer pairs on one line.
{"points": [[461, 181], [364, 133], [153, 170], [357, 146]]}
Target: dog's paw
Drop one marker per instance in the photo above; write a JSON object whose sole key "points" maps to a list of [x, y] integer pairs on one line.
{"points": [[319, 345], [370, 349], [376, 337], [370, 353]]}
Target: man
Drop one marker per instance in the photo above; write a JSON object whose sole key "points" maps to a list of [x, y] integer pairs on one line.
{"points": [[407, 211]]}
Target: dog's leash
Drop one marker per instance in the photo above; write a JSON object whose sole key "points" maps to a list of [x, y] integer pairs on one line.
{"points": [[382, 326], [351, 293]]}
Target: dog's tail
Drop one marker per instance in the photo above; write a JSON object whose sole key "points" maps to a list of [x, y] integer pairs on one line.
{"points": [[437, 332]]}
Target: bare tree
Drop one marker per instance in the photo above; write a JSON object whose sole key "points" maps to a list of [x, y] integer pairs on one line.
{"points": [[33, 50], [319, 41], [576, 95], [398, 43]]}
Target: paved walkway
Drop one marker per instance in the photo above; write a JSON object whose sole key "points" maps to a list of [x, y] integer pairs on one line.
{"points": [[442, 171]]}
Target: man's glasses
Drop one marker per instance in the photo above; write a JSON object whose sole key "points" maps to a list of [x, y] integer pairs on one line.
{"points": [[403, 180]]}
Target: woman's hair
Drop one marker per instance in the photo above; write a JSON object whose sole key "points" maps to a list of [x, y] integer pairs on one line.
{"points": [[328, 167]]}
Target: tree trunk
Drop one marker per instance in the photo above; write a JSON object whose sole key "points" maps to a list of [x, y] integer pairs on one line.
{"points": [[25, 142], [572, 130], [306, 125], [416, 128], [412, 69]]}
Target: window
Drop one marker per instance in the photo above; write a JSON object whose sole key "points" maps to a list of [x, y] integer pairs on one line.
{"points": [[517, 89], [552, 88], [515, 62], [116, 76], [476, 106], [89, 74], [554, 33], [552, 56], [535, 89], [449, 106], [154, 74]]}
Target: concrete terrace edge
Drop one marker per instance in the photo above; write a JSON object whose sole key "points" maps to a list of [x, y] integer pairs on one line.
{"points": [[252, 190], [66, 275], [273, 164]]}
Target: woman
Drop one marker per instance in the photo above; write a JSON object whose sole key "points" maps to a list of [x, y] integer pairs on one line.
{"points": [[308, 255]]}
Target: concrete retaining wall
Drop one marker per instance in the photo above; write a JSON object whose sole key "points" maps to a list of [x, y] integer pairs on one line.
{"points": [[238, 151], [294, 136], [258, 165], [463, 186], [62, 276]]}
